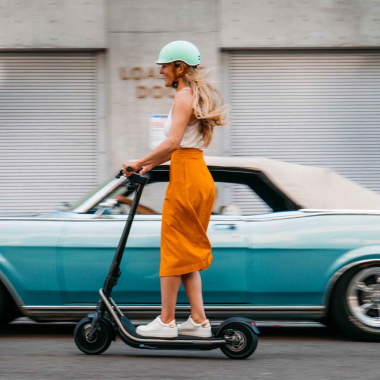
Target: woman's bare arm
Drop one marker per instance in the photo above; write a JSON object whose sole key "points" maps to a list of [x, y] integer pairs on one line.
{"points": [[144, 210], [163, 160], [182, 113]]}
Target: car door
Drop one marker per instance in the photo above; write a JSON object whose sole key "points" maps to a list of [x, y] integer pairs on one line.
{"points": [[90, 243], [291, 253], [226, 280], [28, 259], [88, 251]]}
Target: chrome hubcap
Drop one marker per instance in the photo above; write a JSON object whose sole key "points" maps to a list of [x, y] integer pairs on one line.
{"points": [[363, 296]]}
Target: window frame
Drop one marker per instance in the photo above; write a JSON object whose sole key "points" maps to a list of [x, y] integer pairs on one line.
{"points": [[256, 180]]}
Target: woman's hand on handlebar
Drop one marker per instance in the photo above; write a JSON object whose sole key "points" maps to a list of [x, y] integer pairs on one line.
{"points": [[146, 168], [133, 165]]}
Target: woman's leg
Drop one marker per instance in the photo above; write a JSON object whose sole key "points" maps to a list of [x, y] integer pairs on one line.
{"points": [[169, 292], [192, 283]]}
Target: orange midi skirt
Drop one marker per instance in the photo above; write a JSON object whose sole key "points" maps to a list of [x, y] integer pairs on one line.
{"points": [[188, 205]]}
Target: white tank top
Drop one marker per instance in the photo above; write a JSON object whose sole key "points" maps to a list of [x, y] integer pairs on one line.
{"points": [[192, 137]]}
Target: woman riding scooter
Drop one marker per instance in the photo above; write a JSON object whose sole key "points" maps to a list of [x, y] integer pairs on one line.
{"points": [[185, 247]]}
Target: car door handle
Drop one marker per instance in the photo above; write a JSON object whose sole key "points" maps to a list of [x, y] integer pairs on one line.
{"points": [[225, 226]]}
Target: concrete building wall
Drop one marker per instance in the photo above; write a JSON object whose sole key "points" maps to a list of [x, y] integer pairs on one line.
{"points": [[299, 23], [42, 24], [137, 32], [132, 32]]}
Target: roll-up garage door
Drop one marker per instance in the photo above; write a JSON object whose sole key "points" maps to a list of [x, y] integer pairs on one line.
{"points": [[48, 130], [314, 108]]}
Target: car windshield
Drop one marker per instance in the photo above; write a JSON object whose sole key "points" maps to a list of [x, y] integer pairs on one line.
{"points": [[88, 195]]}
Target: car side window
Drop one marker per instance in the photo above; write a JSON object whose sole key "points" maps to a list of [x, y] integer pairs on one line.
{"points": [[240, 199], [230, 199], [153, 198], [151, 202]]}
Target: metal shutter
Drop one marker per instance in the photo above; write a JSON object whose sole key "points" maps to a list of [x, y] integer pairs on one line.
{"points": [[314, 108], [48, 130]]}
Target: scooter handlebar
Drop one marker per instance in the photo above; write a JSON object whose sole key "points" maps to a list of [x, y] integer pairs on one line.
{"points": [[129, 169], [135, 177]]}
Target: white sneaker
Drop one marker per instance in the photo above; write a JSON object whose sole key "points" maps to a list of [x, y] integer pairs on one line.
{"points": [[159, 329], [190, 328]]}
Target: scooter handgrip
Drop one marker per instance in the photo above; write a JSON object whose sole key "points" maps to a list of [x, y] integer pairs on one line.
{"points": [[129, 169]]}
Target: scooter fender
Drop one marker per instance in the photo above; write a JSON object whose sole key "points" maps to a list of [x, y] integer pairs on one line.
{"points": [[110, 324], [245, 321]]}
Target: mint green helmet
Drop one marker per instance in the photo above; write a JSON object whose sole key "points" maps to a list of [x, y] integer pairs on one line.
{"points": [[183, 51]]}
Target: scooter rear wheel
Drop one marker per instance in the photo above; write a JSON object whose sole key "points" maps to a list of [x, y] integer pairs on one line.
{"points": [[102, 339], [247, 341]]}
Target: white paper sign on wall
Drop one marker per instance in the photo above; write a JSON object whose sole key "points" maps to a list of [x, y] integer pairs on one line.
{"points": [[156, 130]]}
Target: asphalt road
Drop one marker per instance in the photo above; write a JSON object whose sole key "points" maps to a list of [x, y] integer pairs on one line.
{"points": [[304, 351]]}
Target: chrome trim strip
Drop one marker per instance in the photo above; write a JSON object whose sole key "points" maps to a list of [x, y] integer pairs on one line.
{"points": [[100, 219], [144, 340], [213, 218], [221, 307], [337, 275], [342, 211]]}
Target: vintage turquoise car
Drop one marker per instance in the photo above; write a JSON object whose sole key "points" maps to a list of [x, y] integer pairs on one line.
{"points": [[314, 254]]}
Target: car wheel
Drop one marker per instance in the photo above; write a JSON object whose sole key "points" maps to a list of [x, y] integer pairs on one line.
{"points": [[355, 303]]}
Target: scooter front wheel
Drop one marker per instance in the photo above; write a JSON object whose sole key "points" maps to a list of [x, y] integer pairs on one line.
{"points": [[96, 346], [245, 341]]}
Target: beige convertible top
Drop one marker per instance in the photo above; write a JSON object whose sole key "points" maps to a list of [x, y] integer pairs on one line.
{"points": [[307, 186]]}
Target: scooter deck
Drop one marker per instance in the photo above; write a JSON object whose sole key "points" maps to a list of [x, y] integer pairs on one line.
{"points": [[132, 330], [180, 337]]}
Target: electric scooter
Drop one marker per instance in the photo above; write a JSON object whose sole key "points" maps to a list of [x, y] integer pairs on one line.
{"points": [[237, 337]]}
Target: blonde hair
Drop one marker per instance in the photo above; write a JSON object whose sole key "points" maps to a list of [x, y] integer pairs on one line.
{"points": [[207, 103]]}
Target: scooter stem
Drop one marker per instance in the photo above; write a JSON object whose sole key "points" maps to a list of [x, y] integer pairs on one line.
{"points": [[114, 272]]}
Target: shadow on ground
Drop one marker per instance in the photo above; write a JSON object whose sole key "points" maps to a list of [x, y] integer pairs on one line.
{"points": [[300, 331]]}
